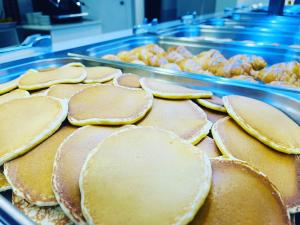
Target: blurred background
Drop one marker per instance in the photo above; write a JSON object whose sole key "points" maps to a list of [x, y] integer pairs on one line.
{"points": [[66, 19]]}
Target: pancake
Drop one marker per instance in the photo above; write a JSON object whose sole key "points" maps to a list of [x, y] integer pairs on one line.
{"points": [[214, 103], [142, 184], [67, 166], [8, 86], [13, 95], [69, 73], [46, 215], [107, 104], [30, 175], [208, 145], [4, 185], [129, 80], [213, 115], [240, 196], [26, 122], [162, 89], [101, 74], [264, 122], [182, 117], [65, 91], [283, 170]]}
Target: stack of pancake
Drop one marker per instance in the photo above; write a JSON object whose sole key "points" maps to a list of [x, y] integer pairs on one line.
{"points": [[91, 145]]}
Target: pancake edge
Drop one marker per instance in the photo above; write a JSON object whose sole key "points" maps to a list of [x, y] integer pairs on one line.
{"points": [[201, 94], [275, 191], [64, 204], [255, 133], [118, 72], [25, 94], [203, 132], [116, 83], [185, 219], [209, 105], [13, 85], [219, 141], [31, 205], [114, 121], [57, 81]]}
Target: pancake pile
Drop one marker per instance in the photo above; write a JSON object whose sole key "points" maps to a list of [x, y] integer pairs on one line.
{"points": [[143, 151]]}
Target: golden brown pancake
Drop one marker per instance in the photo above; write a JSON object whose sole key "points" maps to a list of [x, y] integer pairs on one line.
{"points": [[26, 122], [183, 117], [30, 175], [19, 93], [129, 80], [240, 196], [208, 145], [214, 103], [8, 86], [283, 170], [107, 104], [213, 115], [265, 122], [68, 163], [65, 91], [4, 185], [70, 73], [133, 173], [162, 89], [45, 215], [101, 74]]}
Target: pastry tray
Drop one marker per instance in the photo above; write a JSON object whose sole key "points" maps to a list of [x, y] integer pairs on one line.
{"points": [[271, 54]]}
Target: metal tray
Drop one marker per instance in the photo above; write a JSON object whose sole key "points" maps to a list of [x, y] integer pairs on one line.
{"points": [[270, 54], [258, 24], [257, 16], [266, 36], [291, 106]]}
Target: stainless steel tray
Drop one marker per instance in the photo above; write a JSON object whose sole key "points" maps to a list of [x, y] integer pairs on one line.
{"points": [[266, 36], [271, 54], [257, 16], [258, 24], [291, 106]]}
